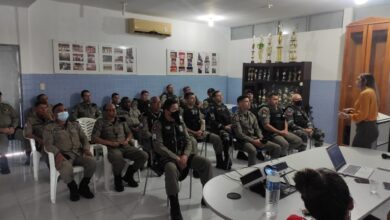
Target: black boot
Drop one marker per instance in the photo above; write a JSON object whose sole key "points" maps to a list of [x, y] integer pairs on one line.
{"points": [[118, 183], [220, 163], [129, 177], [4, 168], [260, 156], [74, 193], [175, 208], [242, 156], [84, 188], [227, 162]]}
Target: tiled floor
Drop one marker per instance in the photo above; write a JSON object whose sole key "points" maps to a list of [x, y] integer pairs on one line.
{"points": [[23, 198]]}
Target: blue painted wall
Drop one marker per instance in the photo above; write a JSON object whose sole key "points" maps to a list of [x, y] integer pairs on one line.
{"points": [[65, 88], [324, 98]]}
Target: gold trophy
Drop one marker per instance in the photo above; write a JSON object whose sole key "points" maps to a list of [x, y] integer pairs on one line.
{"points": [[279, 47], [269, 48], [260, 47], [292, 52], [253, 50]]}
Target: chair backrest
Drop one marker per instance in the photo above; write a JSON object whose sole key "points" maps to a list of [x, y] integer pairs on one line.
{"points": [[87, 126]]}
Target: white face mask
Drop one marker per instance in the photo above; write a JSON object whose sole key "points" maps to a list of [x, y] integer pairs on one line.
{"points": [[63, 116]]}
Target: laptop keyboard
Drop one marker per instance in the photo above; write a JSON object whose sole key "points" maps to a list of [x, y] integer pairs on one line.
{"points": [[351, 169]]}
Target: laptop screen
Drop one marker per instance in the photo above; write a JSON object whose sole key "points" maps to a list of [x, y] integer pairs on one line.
{"points": [[336, 156]]}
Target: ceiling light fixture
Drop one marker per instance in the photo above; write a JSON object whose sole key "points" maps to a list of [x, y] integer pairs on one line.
{"points": [[210, 19], [361, 2]]}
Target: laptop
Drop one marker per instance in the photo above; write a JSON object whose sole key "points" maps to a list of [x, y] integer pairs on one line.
{"points": [[342, 167]]}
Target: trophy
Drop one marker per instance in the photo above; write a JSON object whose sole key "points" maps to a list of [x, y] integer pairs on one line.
{"points": [[279, 47], [260, 47], [269, 48], [253, 50], [292, 52]]}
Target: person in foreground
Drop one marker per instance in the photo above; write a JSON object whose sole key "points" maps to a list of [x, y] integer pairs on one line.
{"points": [[364, 112], [325, 194]]}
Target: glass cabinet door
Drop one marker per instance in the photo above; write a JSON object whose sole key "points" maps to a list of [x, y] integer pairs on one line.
{"points": [[377, 61]]}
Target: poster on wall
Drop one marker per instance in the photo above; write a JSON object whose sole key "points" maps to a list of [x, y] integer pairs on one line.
{"points": [[117, 59], [74, 57], [180, 62]]}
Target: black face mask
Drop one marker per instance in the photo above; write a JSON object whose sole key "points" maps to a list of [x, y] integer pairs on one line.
{"points": [[176, 115], [298, 103]]}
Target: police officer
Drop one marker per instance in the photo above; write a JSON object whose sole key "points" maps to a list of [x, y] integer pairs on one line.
{"points": [[129, 111], [168, 94], [43, 98], [116, 135], [144, 102], [171, 142], [219, 121], [275, 127], [86, 108], [35, 125], [196, 128], [182, 100], [299, 122], [254, 106], [70, 146], [8, 122], [115, 99], [248, 133]]}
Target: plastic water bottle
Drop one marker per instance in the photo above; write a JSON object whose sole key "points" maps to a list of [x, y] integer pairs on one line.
{"points": [[272, 194]]}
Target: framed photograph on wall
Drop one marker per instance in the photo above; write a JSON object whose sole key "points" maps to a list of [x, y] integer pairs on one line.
{"points": [[181, 62], [118, 59], [75, 57]]}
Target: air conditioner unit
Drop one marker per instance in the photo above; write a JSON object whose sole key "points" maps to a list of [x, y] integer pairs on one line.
{"points": [[148, 27]]}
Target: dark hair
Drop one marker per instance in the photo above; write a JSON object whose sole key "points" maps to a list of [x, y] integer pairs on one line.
{"points": [[270, 94], [83, 92], [124, 101], [38, 103], [210, 90], [105, 106], [185, 88], [56, 106], [166, 87], [188, 94], [154, 99], [1, 93], [246, 91], [168, 103], [114, 94], [40, 96], [324, 192], [368, 80], [215, 93], [241, 98], [144, 91]]}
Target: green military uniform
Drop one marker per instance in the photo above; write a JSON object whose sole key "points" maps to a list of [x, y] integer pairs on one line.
{"points": [[71, 142], [34, 128], [86, 110], [276, 118], [8, 119], [31, 112], [246, 130], [171, 140], [298, 121], [118, 131], [164, 96]]}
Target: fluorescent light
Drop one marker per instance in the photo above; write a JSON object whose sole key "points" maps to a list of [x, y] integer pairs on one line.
{"points": [[361, 2], [211, 19], [211, 23]]}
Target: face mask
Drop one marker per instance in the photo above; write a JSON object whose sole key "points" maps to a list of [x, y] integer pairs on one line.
{"points": [[176, 115], [63, 116], [298, 103]]}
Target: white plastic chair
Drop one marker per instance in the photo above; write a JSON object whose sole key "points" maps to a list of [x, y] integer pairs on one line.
{"points": [[54, 174], [35, 155]]}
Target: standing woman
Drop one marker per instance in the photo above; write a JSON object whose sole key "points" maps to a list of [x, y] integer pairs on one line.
{"points": [[364, 113]]}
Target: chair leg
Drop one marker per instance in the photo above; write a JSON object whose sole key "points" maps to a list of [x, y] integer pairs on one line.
{"points": [[201, 149], [35, 163], [53, 186], [205, 149], [146, 180], [139, 176], [191, 183]]}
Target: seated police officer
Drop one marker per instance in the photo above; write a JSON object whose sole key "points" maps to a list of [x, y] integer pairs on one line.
{"points": [[171, 142], [86, 109], [115, 99], [70, 146], [113, 132], [299, 122], [248, 133], [168, 94], [209, 100], [196, 128], [129, 111], [254, 106], [219, 121], [143, 102], [35, 125], [275, 127]]}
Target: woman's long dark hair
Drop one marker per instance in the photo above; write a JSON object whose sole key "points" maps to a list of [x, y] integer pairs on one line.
{"points": [[368, 80]]}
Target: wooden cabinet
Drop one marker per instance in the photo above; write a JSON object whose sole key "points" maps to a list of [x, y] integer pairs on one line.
{"points": [[367, 50], [281, 78]]}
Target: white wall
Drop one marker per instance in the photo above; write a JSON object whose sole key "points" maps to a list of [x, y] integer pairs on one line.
{"points": [[323, 48], [8, 25], [53, 20]]}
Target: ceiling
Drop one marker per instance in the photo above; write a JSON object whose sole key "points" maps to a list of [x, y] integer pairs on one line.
{"points": [[236, 12]]}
